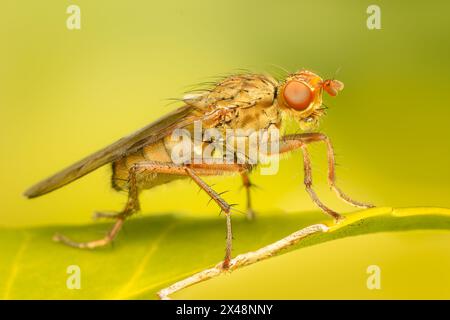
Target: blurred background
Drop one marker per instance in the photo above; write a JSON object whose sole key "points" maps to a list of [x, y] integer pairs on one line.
{"points": [[67, 93]]}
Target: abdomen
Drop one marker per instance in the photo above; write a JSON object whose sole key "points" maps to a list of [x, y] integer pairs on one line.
{"points": [[156, 152]]}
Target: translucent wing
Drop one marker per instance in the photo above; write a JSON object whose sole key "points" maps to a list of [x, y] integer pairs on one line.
{"points": [[236, 91], [127, 145]]}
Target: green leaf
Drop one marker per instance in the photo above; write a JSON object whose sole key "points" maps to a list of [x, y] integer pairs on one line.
{"points": [[152, 252]]}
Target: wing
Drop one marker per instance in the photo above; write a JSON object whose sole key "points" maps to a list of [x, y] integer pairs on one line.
{"points": [[129, 144], [235, 91]]}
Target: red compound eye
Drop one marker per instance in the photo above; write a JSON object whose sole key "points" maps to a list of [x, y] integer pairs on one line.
{"points": [[297, 95]]}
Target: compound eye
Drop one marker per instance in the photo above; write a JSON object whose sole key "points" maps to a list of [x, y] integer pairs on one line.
{"points": [[297, 95]]}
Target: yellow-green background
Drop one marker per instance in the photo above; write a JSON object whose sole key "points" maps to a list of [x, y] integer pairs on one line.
{"points": [[64, 94]]}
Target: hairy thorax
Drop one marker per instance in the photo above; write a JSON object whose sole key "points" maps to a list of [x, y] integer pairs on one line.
{"points": [[245, 102]]}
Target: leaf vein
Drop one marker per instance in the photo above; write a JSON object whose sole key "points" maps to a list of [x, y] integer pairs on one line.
{"points": [[15, 266], [124, 291]]}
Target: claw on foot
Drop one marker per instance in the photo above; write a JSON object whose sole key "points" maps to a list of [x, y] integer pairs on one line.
{"points": [[339, 219]]}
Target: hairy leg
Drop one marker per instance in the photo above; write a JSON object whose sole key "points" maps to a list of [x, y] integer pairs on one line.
{"points": [[133, 203], [295, 141], [224, 206], [247, 185], [308, 184], [131, 207]]}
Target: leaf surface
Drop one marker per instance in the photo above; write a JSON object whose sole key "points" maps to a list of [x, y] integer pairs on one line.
{"points": [[152, 252]]}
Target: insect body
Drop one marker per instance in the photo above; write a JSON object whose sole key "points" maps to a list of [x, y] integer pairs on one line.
{"points": [[144, 159]]}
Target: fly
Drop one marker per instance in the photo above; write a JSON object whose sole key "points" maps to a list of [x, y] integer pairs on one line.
{"points": [[144, 159]]}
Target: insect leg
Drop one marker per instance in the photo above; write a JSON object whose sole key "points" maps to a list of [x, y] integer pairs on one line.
{"points": [[308, 184], [131, 207], [132, 204], [247, 185], [225, 208], [110, 236], [332, 178], [206, 169], [294, 141]]}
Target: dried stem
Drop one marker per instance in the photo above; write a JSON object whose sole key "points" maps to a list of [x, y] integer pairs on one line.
{"points": [[242, 260]]}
